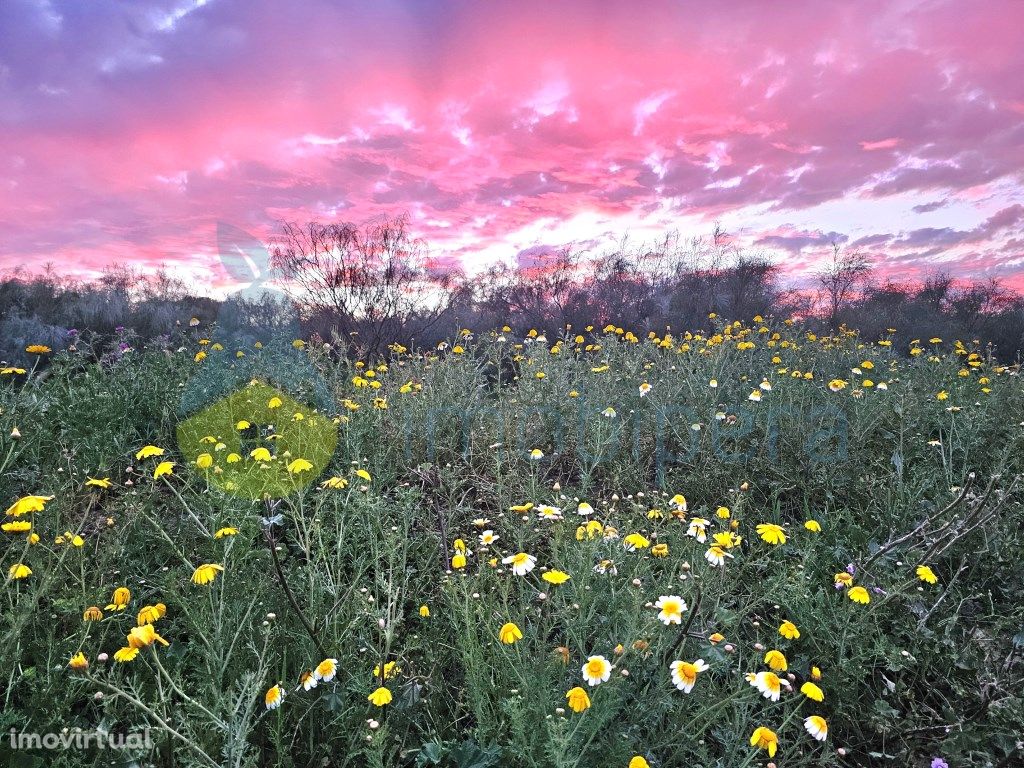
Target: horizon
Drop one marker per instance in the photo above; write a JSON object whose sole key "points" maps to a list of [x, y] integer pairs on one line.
{"points": [[893, 129]]}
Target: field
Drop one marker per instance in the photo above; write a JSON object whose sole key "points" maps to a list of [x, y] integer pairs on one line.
{"points": [[730, 547]]}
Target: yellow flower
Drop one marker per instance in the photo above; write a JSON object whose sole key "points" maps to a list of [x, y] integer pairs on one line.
{"points": [[260, 454], [362, 473], [425, 611], [555, 577], [120, 599], [79, 662], [205, 574], [273, 697], [380, 697], [19, 571], [789, 631], [144, 636], [578, 699], [765, 738], [926, 574], [92, 613], [334, 482], [859, 595], [635, 541], [163, 468], [776, 660], [813, 692], [843, 579], [151, 613], [458, 561], [225, 531], [28, 504], [37, 349], [274, 402], [17, 526], [813, 526], [233, 458], [204, 461], [391, 669], [149, 451], [103, 482], [299, 465], [126, 654], [638, 762], [772, 533], [510, 633], [943, 395], [660, 550]]}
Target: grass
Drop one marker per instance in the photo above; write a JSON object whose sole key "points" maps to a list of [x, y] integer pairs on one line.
{"points": [[372, 555]]}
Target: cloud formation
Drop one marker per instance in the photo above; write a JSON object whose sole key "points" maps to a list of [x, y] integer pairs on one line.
{"points": [[896, 127]]}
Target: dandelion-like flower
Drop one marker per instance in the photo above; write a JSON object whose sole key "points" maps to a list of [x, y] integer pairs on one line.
{"points": [[776, 660], [380, 697], [768, 683], [671, 609], [597, 670], [120, 599], [206, 573], [635, 541], [578, 698], [859, 595], [772, 533], [27, 504], [766, 739], [273, 697], [817, 727], [684, 673], [812, 692], [789, 630], [555, 576], [326, 670], [510, 633], [521, 563]]}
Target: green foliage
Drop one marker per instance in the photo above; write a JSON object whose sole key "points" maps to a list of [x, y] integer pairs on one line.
{"points": [[435, 447]]}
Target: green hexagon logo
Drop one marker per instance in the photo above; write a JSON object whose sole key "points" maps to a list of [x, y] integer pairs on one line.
{"points": [[258, 441], [247, 425]]}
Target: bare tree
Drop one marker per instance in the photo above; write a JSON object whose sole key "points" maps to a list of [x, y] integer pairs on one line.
{"points": [[371, 282], [841, 279]]}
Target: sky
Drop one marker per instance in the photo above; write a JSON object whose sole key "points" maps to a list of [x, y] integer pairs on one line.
{"points": [[895, 128]]}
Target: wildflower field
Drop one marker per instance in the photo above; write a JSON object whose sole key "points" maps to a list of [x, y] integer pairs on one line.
{"points": [[736, 546]]}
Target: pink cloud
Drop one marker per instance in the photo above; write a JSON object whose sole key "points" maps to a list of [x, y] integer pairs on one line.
{"points": [[131, 130]]}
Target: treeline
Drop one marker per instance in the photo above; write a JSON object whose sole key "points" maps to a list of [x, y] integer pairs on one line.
{"points": [[370, 285]]}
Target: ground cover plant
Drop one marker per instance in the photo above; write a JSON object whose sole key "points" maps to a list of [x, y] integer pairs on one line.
{"points": [[734, 546]]}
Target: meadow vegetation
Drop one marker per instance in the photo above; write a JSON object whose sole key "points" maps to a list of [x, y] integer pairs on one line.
{"points": [[743, 544]]}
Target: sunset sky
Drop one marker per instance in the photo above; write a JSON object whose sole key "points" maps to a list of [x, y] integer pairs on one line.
{"points": [[129, 129]]}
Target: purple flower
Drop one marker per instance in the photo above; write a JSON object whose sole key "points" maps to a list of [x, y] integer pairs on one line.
{"points": [[851, 569], [938, 762]]}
